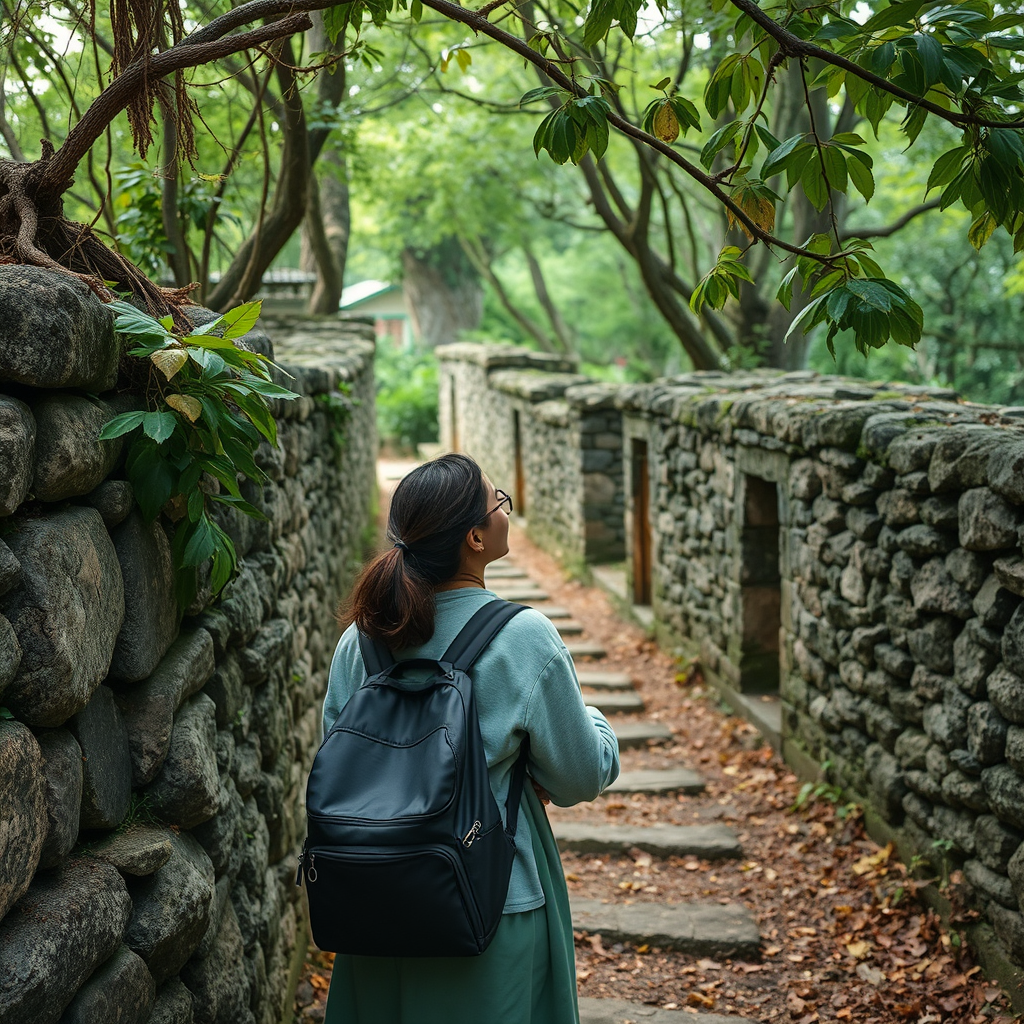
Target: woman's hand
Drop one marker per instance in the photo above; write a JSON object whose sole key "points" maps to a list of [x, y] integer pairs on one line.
{"points": [[541, 792]]}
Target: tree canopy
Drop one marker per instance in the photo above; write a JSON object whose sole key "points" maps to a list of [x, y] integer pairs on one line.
{"points": [[764, 121]]}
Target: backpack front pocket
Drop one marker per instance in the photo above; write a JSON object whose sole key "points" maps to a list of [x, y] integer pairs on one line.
{"points": [[376, 901]]}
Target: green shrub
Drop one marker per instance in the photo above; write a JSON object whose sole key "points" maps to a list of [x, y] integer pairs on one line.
{"points": [[406, 397]]}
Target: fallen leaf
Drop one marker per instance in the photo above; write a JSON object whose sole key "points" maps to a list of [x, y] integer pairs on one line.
{"points": [[858, 950], [699, 999], [872, 975], [873, 861]]}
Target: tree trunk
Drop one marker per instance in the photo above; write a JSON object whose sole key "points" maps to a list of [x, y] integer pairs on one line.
{"points": [[444, 292], [178, 257], [540, 287], [326, 233]]}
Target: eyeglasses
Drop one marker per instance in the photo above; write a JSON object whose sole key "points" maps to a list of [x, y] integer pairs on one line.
{"points": [[505, 500]]}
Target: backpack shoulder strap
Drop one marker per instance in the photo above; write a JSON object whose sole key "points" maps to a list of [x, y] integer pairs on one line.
{"points": [[376, 657], [476, 634]]}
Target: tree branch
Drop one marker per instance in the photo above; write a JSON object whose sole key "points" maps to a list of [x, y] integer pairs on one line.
{"points": [[891, 229]]}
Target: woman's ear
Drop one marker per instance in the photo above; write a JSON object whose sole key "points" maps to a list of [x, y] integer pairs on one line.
{"points": [[475, 540]]}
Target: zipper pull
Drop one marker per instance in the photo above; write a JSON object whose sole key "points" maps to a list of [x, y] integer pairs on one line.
{"points": [[311, 873], [298, 872], [470, 836]]}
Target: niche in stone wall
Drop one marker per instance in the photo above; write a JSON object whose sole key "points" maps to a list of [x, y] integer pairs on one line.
{"points": [[760, 583], [641, 490]]}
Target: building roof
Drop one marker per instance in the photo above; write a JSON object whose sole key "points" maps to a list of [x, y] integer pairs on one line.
{"points": [[362, 291]]}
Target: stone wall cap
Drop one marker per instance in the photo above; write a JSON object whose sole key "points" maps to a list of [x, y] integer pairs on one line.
{"points": [[533, 384], [555, 412], [593, 396], [492, 357]]}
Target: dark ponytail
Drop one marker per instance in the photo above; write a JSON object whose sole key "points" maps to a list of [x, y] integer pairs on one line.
{"points": [[432, 510]]}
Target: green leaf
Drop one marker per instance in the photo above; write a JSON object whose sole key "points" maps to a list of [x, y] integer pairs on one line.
{"points": [[946, 168], [835, 167], [661, 85], [785, 292], [121, 425], [201, 543], [718, 142], [599, 20], [929, 52], [894, 14], [815, 187], [416, 10], [539, 94], [771, 143], [914, 122], [780, 155], [241, 320], [159, 425], [871, 292], [861, 176], [129, 320]]}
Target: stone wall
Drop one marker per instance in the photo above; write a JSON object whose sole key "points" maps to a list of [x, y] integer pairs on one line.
{"points": [[852, 554], [548, 436], [151, 770]]}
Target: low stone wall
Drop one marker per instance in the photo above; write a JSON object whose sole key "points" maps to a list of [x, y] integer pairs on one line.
{"points": [[548, 436], [856, 551], [151, 771]]}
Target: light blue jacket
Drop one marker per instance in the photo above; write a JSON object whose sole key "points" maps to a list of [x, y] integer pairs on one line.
{"points": [[525, 683]]}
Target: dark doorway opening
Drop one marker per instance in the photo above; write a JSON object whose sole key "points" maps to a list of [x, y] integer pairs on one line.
{"points": [[520, 482], [761, 587], [640, 484]]}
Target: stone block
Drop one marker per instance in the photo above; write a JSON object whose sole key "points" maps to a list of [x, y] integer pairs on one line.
{"points": [[173, 1004], [23, 799], [62, 772], [121, 991], [966, 762], [223, 833], [922, 541], [987, 520], [997, 842], [149, 707], [139, 850], [993, 604], [911, 748], [962, 790], [10, 654], [941, 511], [218, 995], [38, 307], [1015, 747], [107, 766], [1005, 789], [151, 611], [960, 459], [1015, 871], [898, 507], [972, 663], [268, 648], [171, 908], [1009, 929], [928, 685], [113, 499], [70, 460], [957, 826], [1013, 642], [1010, 573], [932, 644], [66, 613], [886, 782], [68, 923], [186, 789], [1006, 471], [934, 590], [17, 452], [243, 605], [10, 569], [989, 884]]}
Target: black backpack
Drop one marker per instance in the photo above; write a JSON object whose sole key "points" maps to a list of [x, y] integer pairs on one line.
{"points": [[405, 853]]}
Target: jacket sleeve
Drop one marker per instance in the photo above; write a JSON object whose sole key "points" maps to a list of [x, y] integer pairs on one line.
{"points": [[574, 753], [344, 678]]}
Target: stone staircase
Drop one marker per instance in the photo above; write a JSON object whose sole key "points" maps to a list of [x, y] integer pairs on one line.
{"points": [[698, 929]]}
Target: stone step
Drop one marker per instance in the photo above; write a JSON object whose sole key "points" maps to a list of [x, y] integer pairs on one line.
{"points": [[615, 703], [567, 627], [658, 780], [519, 594], [551, 611], [700, 929], [619, 1011], [711, 842], [605, 680], [504, 572], [586, 649], [640, 734]]}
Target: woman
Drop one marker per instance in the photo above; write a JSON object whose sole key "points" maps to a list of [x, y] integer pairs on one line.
{"points": [[448, 523]]}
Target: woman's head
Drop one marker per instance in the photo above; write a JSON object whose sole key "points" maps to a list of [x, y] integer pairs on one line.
{"points": [[443, 517]]}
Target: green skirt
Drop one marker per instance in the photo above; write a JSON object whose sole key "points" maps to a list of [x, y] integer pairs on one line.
{"points": [[526, 976]]}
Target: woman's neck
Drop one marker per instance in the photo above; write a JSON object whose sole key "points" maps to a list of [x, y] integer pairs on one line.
{"points": [[461, 580]]}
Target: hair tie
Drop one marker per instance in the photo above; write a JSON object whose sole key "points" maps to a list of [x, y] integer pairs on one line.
{"points": [[401, 544]]}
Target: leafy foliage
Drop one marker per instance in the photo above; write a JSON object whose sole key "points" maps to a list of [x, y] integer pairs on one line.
{"points": [[406, 397], [207, 412]]}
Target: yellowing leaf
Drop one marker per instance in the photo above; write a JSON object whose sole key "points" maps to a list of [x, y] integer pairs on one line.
{"points": [[872, 861], [858, 950], [169, 360], [212, 177], [760, 208], [464, 59], [666, 124], [189, 407]]}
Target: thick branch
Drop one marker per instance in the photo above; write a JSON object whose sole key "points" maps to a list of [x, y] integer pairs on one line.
{"points": [[891, 229]]}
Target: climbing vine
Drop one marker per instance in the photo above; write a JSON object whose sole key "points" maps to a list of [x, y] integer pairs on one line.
{"points": [[206, 412]]}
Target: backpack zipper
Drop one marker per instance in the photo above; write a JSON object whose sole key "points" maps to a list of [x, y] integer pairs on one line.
{"points": [[470, 837]]}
